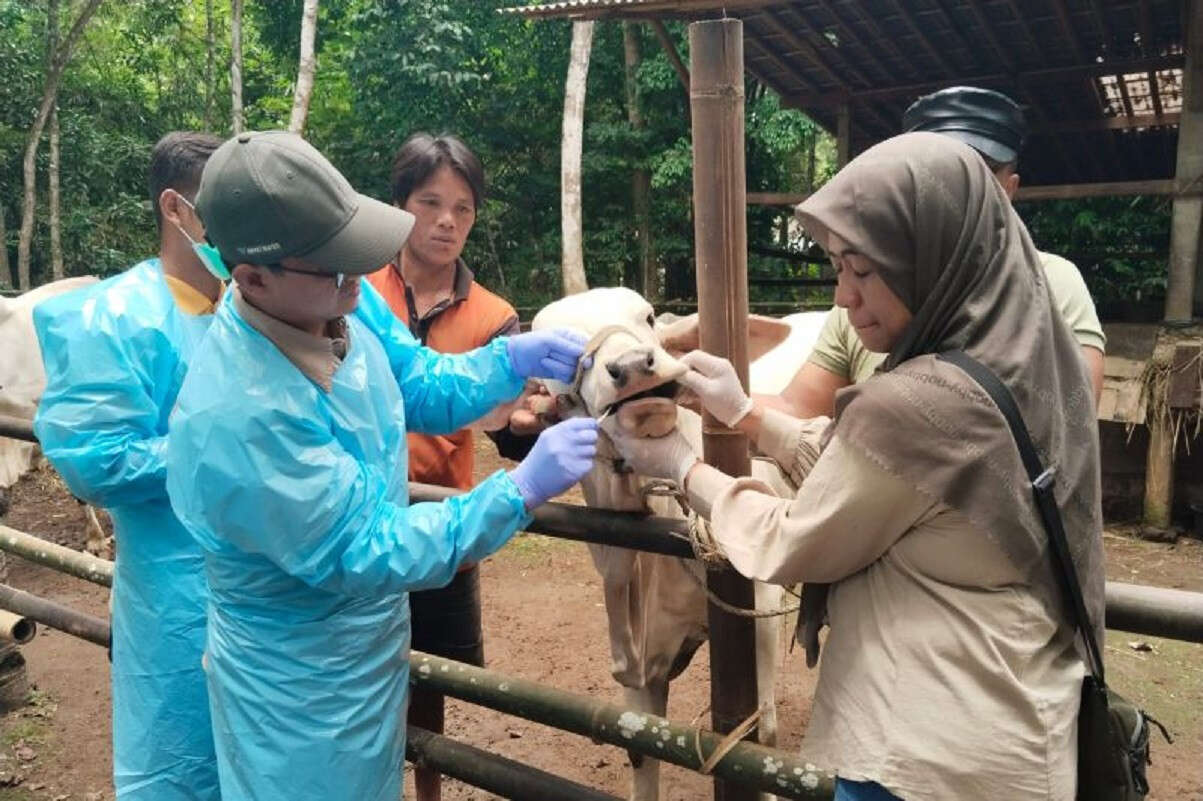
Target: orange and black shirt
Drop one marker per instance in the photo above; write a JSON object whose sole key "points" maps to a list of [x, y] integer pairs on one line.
{"points": [[471, 317]]}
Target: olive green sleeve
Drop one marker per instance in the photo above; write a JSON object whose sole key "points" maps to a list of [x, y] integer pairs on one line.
{"points": [[1072, 299]]}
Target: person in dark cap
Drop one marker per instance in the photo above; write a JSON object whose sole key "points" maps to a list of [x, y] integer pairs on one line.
{"points": [[994, 125]]}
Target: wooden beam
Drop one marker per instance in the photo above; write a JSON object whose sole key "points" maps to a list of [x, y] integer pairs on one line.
{"points": [[1021, 19], [1001, 51], [845, 31], [670, 50], [1106, 36], [1122, 82], [1102, 189], [775, 21], [1184, 289], [1145, 19], [804, 47], [1067, 30], [1041, 76], [643, 10], [1165, 186], [1155, 93], [919, 33], [761, 50], [973, 51], [1110, 123], [721, 244], [880, 39]]}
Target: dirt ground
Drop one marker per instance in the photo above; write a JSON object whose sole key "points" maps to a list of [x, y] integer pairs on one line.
{"points": [[544, 620]]}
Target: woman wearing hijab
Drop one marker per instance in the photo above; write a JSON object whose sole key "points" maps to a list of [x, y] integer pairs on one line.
{"points": [[951, 669]]}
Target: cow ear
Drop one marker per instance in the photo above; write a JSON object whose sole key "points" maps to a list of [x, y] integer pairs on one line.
{"points": [[764, 334], [677, 335]]}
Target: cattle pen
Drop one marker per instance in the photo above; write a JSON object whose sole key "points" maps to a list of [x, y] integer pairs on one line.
{"points": [[1152, 611], [741, 770]]}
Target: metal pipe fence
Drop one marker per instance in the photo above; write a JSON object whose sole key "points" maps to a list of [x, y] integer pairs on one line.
{"points": [[769, 769]]}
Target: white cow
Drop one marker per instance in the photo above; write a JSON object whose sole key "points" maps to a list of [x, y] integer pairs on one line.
{"points": [[22, 378], [657, 611]]}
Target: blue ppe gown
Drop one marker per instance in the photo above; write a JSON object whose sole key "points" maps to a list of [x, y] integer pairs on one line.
{"points": [[299, 498], [115, 355]]}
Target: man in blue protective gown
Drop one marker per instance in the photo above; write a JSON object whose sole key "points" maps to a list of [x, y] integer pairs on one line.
{"points": [[288, 463], [115, 355]]}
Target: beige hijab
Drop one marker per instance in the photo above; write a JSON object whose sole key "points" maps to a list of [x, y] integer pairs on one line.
{"points": [[927, 211]]}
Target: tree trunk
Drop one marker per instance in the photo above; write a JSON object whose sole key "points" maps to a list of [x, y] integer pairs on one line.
{"points": [[56, 221], [210, 60], [641, 179], [53, 75], [808, 183], [6, 276], [56, 232], [570, 158], [236, 65], [305, 70]]}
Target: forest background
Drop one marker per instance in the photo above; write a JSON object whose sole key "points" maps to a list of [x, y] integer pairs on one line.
{"points": [[386, 68]]}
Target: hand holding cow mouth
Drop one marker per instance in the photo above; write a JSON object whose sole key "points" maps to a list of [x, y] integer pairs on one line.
{"points": [[670, 456], [716, 385]]}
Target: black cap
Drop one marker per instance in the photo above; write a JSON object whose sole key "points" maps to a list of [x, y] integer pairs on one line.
{"points": [[988, 121]]}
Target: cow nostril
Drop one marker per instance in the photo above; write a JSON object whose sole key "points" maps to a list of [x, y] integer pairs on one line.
{"points": [[614, 370], [651, 359]]}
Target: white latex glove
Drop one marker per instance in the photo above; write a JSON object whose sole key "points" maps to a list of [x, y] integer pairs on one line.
{"points": [[670, 456], [714, 381]]}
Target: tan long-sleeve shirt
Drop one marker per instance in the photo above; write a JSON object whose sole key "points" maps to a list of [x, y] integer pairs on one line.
{"points": [[942, 677]]}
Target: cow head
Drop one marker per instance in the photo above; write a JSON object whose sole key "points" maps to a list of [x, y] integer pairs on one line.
{"points": [[632, 379]]}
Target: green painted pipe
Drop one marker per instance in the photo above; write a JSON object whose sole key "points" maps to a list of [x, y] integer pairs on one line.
{"points": [[768, 769], [65, 560], [497, 774]]}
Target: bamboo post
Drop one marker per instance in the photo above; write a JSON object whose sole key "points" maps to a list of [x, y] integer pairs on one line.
{"points": [[1159, 460], [716, 68], [1184, 286]]}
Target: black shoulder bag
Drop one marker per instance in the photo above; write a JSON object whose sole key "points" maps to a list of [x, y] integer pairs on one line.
{"points": [[1113, 734]]}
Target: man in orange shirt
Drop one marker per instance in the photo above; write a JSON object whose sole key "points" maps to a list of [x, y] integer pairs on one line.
{"points": [[441, 182]]}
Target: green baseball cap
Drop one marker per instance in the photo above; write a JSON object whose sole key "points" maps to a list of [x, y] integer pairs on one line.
{"points": [[270, 195]]}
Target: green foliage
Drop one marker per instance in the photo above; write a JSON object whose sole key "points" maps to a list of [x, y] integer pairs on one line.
{"points": [[1120, 244], [387, 68]]}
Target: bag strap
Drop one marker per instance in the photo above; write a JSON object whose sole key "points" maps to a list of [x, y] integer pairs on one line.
{"points": [[1042, 491]]}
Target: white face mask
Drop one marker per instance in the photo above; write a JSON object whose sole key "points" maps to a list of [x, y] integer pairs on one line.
{"points": [[208, 255]]}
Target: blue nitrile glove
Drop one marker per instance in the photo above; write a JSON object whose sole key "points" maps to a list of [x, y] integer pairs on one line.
{"points": [[562, 456], [547, 354]]}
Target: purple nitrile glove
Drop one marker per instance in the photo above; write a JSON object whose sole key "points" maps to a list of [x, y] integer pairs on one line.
{"points": [[562, 455], [547, 354]]}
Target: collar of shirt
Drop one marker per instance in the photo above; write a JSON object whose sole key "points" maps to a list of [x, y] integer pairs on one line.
{"points": [[461, 285], [318, 357], [189, 298]]}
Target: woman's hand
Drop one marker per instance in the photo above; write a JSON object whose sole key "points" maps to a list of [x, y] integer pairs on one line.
{"points": [[717, 386], [670, 456]]}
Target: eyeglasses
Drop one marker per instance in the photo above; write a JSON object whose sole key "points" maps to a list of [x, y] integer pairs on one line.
{"points": [[339, 278]]}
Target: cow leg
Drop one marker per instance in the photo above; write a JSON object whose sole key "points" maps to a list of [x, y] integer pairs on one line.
{"points": [[645, 771], [96, 543], [768, 653]]}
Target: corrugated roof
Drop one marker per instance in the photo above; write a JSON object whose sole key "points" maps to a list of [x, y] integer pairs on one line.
{"points": [[1101, 81], [601, 9]]}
